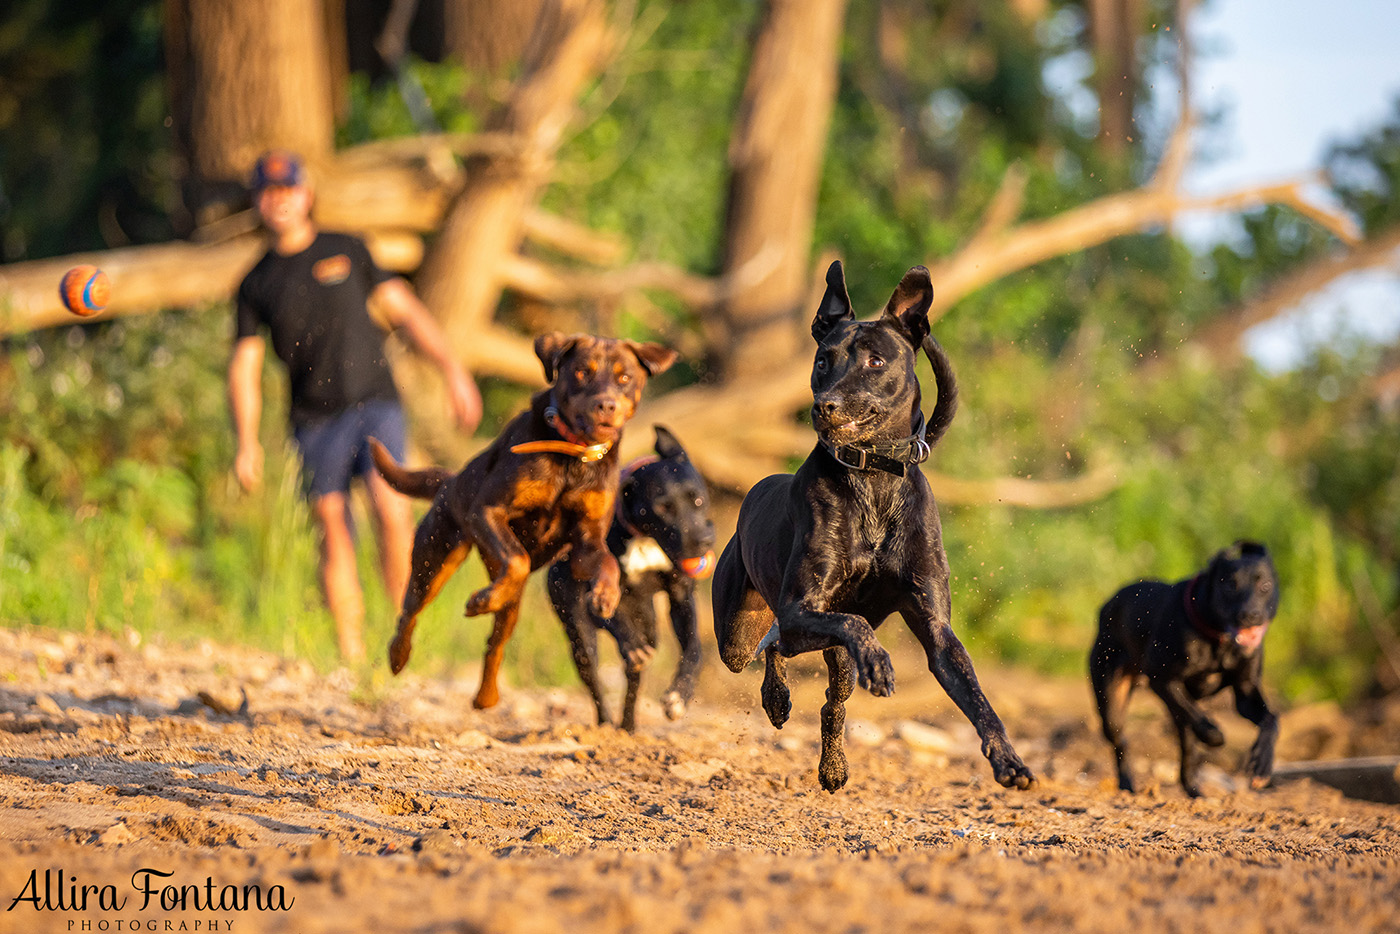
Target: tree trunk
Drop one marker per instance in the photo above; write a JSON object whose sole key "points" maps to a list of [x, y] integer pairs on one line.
{"points": [[775, 159], [461, 279], [1113, 29], [247, 77], [488, 36], [461, 274]]}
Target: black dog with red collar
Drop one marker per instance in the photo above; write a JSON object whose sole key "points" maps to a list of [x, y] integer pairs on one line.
{"points": [[1190, 640], [663, 539]]}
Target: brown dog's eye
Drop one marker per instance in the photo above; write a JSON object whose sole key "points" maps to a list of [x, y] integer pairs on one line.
{"points": [[624, 378], [1266, 586]]}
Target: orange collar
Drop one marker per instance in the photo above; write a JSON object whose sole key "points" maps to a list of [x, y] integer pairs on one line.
{"points": [[572, 444]]}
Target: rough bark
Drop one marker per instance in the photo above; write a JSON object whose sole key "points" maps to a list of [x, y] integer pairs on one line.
{"points": [[488, 36], [1113, 29], [253, 75], [775, 158], [461, 279]]}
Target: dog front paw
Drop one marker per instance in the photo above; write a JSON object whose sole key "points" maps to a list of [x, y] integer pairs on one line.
{"points": [[777, 701], [875, 670], [673, 705], [604, 597], [832, 771], [1260, 767], [1207, 732], [1008, 769], [483, 601], [400, 649]]}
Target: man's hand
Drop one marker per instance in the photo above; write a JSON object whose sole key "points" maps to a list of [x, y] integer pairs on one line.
{"points": [[248, 465], [464, 397]]}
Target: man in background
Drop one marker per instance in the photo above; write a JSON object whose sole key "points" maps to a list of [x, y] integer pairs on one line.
{"points": [[311, 292]]}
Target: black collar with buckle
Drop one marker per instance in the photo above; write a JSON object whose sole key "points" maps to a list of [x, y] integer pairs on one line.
{"points": [[891, 457]]}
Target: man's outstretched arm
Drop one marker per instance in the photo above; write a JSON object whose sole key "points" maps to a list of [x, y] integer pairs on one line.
{"points": [[404, 309]]}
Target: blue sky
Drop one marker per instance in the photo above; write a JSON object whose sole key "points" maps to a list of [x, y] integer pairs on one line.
{"points": [[1295, 75]]}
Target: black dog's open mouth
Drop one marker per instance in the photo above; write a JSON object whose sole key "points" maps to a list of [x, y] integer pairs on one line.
{"points": [[842, 430]]}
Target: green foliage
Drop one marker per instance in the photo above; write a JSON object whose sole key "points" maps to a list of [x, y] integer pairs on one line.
{"points": [[378, 111], [82, 110], [1366, 174]]}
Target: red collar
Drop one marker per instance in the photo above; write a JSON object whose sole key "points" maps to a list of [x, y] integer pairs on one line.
{"points": [[573, 444], [1188, 599]]}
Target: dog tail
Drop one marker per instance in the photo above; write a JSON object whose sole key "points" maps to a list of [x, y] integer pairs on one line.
{"points": [[947, 383], [422, 484]]}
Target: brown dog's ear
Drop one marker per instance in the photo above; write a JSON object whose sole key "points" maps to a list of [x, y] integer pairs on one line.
{"points": [[836, 303], [550, 348], [910, 303], [655, 358]]}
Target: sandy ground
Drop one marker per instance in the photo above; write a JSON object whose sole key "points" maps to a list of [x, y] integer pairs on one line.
{"points": [[399, 808]]}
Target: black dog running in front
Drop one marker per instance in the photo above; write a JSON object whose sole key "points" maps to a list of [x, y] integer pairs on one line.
{"points": [[664, 540], [1188, 641], [822, 557]]}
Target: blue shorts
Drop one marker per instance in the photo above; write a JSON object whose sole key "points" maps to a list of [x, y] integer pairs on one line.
{"points": [[334, 450]]}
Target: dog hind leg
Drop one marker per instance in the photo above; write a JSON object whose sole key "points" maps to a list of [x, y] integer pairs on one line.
{"points": [[831, 770], [742, 618], [1112, 688], [439, 548], [777, 699]]}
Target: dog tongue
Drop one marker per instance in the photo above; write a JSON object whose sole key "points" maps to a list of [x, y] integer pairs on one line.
{"points": [[1250, 638], [700, 567]]}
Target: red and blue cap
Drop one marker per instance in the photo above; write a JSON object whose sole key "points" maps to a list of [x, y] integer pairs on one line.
{"points": [[278, 168]]}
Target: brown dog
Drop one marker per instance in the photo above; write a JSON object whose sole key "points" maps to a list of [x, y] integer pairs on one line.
{"points": [[545, 486]]}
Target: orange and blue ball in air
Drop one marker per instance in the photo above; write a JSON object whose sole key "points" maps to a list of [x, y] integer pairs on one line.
{"points": [[85, 290]]}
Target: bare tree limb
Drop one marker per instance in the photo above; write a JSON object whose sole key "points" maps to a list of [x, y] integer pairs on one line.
{"points": [[573, 239], [993, 257], [1221, 338]]}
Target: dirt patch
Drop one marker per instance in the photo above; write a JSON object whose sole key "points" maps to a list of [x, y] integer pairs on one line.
{"points": [[399, 808]]}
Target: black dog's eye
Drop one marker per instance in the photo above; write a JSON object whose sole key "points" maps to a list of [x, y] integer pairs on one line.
{"points": [[875, 362], [699, 502], [1265, 586], [821, 365]]}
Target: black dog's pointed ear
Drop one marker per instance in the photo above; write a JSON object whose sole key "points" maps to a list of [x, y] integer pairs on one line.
{"points": [[550, 348], [655, 358], [666, 444], [1252, 549], [836, 304], [910, 303]]}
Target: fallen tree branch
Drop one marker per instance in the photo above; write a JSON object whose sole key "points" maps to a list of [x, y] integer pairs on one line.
{"points": [[167, 275]]}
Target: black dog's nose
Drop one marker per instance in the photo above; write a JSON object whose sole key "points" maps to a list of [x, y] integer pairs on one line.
{"points": [[826, 409]]}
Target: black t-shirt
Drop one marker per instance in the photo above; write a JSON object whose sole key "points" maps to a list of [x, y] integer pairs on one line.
{"points": [[314, 305]]}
